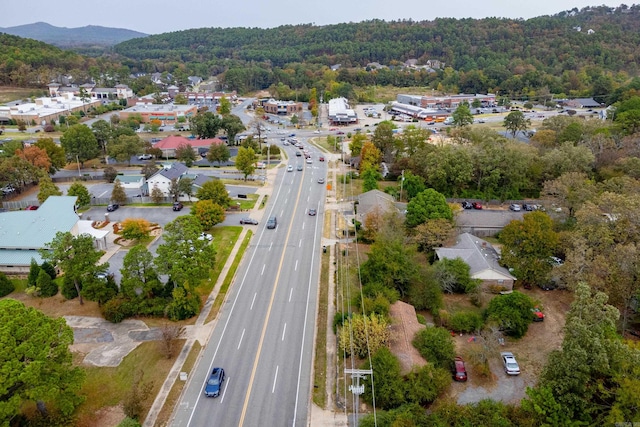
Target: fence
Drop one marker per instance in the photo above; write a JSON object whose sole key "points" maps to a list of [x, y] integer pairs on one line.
{"points": [[95, 201]]}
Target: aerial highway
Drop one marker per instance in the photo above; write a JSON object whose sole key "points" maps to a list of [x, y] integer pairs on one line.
{"points": [[264, 333]]}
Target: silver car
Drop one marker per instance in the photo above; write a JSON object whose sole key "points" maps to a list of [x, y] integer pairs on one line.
{"points": [[511, 366]]}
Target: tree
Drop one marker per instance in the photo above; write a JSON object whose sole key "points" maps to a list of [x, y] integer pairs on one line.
{"points": [[110, 174], [103, 132], [246, 161], [45, 285], [427, 205], [205, 125], [47, 188], [157, 196], [135, 228], [433, 233], [225, 106], [185, 154], [79, 143], [149, 169], [387, 378], [124, 147], [355, 146], [454, 276], [370, 157], [118, 195], [527, 246], [370, 177], [76, 256], [54, 152], [363, 335], [185, 186], [38, 157], [512, 313], [412, 184], [184, 257], [139, 275], [208, 213], [436, 346], [215, 191], [383, 139], [37, 363], [462, 116], [581, 382], [516, 122], [232, 126], [570, 191], [79, 190], [218, 153]]}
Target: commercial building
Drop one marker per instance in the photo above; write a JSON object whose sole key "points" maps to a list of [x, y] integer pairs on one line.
{"points": [[340, 113], [167, 114]]}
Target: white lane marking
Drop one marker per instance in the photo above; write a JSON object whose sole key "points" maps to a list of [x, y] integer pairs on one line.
{"points": [[275, 379], [303, 225], [270, 246], [253, 300], [290, 293], [300, 244], [225, 389], [296, 267], [282, 213], [308, 197], [263, 267], [241, 336], [284, 331]]}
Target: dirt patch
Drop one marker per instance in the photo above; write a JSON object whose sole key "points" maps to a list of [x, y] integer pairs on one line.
{"points": [[58, 306], [109, 416], [404, 327]]}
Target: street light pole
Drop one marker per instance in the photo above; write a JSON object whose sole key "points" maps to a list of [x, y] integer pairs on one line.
{"points": [[78, 163], [401, 182]]}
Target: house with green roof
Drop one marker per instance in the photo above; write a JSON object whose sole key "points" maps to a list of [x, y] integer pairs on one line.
{"points": [[24, 233]]}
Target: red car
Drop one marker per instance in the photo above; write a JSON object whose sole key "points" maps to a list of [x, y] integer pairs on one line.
{"points": [[477, 205], [32, 208], [461, 371], [321, 159]]}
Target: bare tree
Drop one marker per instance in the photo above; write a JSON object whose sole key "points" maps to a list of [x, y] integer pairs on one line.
{"points": [[170, 334]]}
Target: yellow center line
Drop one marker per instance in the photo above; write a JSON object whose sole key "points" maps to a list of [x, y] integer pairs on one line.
{"points": [[273, 295]]}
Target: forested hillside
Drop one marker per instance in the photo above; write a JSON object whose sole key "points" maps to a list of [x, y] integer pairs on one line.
{"points": [[490, 54]]}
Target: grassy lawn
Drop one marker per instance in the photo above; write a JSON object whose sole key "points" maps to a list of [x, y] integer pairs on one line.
{"points": [[224, 239], [9, 93], [105, 387], [320, 365], [178, 386], [227, 280], [248, 203]]}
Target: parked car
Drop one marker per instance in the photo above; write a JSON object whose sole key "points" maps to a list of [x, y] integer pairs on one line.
{"points": [[510, 364], [477, 205], [214, 383], [32, 208], [249, 221], [312, 212], [529, 207], [515, 207], [145, 157], [538, 315], [460, 373], [467, 205], [112, 207], [272, 222], [298, 154], [177, 206]]}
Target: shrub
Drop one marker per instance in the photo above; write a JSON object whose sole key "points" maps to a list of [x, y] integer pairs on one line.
{"points": [[465, 321], [183, 306], [129, 422], [50, 269], [512, 313], [421, 319], [69, 290], [118, 309], [34, 270], [46, 285], [6, 285], [436, 346], [339, 319]]}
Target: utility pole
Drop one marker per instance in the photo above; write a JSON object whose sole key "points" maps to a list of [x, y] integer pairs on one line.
{"points": [[401, 182]]}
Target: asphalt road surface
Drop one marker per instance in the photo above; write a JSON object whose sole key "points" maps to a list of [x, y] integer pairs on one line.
{"points": [[263, 336]]}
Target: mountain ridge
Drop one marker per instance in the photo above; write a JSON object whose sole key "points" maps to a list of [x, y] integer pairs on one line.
{"points": [[89, 35]]}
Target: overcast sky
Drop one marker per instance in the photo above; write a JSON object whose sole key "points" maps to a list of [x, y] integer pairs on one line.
{"points": [[161, 16]]}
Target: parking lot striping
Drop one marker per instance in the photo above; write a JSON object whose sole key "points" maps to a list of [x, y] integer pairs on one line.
{"points": [[284, 331], [290, 293], [241, 336], [275, 379], [103, 193]]}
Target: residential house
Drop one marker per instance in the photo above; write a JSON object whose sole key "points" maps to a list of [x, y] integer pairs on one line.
{"points": [[132, 181], [162, 179], [169, 145], [374, 201], [482, 259], [583, 103]]}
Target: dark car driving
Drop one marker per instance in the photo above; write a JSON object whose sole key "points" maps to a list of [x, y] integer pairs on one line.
{"points": [[214, 383], [112, 207]]}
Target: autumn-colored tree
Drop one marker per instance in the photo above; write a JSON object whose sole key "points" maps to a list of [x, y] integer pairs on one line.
{"points": [[118, 195], [208, 213], [370, 157], [37, 156], [135, 228], [47, 188]]}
